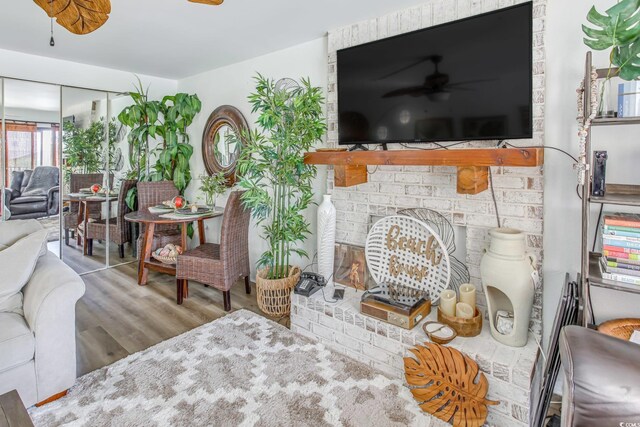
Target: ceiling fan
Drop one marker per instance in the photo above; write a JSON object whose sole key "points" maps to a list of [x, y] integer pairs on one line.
{"points": [[85, 16], [436, 87]]}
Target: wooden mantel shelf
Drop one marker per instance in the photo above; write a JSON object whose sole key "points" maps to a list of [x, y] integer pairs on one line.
{"points": [[473, 163]]}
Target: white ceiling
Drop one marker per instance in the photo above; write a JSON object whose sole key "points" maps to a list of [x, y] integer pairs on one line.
{"points": [[29, 95], [176, 38]]}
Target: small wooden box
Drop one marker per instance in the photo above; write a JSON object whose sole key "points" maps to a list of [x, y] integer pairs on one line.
{"points": [[463, 327], [404, 318]]}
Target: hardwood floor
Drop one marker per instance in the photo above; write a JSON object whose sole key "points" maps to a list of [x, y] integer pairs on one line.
{"points": [[116, 317]]}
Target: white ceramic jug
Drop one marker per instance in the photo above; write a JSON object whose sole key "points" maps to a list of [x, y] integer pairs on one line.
{"points": [[508, 279]]}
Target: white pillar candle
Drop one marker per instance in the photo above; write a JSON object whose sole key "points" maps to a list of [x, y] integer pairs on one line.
{"points": [[448, 302], [468, 294], [464, 310]]}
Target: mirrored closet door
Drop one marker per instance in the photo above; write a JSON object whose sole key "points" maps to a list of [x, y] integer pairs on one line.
{"points": [[88, 190], [30, 154]]}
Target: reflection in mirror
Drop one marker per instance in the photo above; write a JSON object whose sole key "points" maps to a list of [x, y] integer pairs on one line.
{"points": [[226, 146], [30, 169], [125, 171], [88, 145]]}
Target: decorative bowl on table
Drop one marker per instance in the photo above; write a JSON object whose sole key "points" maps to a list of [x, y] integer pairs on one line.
{"points": [[168, 254]]}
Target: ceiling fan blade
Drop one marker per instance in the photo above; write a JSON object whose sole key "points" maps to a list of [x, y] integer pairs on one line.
{"points": [[470, 81], [77, 16], [415, 64], [208, 2]]}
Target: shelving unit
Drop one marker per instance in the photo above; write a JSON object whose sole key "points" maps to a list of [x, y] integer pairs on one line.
{"points": [[615, 194], [473, 164]]}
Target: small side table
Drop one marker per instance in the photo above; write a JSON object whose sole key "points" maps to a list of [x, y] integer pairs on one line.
{"points": [[12, 411]]}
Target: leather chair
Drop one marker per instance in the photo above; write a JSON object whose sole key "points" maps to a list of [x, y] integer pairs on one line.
{"points": [[602, 379], [220, 265], [33, 194]]}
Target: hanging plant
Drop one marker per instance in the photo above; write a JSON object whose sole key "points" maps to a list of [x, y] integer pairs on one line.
{"points": [[617, 29]]}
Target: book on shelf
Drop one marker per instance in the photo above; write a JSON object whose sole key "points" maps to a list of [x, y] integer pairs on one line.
{"points": [[622, 260], [608, 232], [634, 280], [618, 228], [619, 250], [622, 265], [621, 242], [622, 220]]}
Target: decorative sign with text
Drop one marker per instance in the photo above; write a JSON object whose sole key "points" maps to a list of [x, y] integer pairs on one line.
{"points": [[406, 251]]}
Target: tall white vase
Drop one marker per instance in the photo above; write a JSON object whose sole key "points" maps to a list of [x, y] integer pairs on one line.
{"points": [[326, 237], [508, 275]]}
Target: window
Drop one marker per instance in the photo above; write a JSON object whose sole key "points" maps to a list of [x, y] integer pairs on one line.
{"points": [[30, 145]]}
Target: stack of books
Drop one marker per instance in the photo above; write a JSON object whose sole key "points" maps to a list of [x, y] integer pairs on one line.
{"points": [[621, 248]]}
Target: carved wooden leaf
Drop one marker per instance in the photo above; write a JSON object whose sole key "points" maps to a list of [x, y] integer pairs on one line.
{"points": [[77, 16], [209, 2], [448, 384]]}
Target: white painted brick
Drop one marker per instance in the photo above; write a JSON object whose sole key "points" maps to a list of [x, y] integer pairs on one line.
{"points": [[376, 353], [408, 178], [348, 342], [357, 333], [391, 346], [407, 202], [331, 323], [437, 204], [392, 188], [322, 331], [381, 199], [419, 190]]}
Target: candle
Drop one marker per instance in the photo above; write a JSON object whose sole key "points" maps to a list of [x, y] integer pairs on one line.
{"points": [[448, 302], [464, 310], [468, 295]]}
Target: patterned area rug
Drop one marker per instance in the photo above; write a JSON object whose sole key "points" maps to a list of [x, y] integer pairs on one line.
{"points": [[53, 225], [240, 370]]}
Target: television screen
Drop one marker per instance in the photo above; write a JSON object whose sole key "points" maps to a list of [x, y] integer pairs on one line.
{"points": [[464, 80]]}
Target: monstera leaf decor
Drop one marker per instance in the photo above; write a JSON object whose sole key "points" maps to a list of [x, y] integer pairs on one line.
{"points": [[618, 29], [448, 385], [77, 16]]}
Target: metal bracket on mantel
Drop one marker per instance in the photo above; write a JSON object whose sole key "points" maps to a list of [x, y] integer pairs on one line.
{"points": [[350, 168]]}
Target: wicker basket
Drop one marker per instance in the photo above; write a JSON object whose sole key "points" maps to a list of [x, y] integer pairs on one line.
{"points": [[165, 259], [274, 296], [620, 328]]}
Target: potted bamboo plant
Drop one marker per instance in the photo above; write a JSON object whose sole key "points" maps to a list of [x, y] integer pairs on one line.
{"points": [[277, 182]]}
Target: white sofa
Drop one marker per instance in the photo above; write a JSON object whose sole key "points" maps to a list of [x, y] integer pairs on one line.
{"points": [[38, 350]]}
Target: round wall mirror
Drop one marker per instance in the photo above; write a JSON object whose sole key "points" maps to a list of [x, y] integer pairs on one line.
{"points": [[222, 142]]}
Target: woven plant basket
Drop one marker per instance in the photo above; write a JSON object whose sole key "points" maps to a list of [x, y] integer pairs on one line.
{"points": [[274, 296], [620, 328]]}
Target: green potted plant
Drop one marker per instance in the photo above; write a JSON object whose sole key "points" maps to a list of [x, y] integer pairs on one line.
{"points": [[212, 186], [278, 183], [166, 120], [617, 29]]}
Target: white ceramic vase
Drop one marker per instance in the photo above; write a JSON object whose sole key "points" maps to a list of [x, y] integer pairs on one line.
{"points": [[326, 237], [508, 275]]}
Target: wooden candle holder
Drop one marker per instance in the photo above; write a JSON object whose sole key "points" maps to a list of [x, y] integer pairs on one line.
{"points": [[463, 327]]}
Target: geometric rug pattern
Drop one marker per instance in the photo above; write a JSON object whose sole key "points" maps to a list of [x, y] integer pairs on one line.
{"points": [[240, 370]]}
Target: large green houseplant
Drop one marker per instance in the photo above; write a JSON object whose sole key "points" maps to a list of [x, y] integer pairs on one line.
{"points": [[617, 29], [271, 168], [81, 147], [166, 120]]}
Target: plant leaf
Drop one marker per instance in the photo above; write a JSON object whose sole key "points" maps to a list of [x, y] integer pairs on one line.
{"points": [[77, 16]]}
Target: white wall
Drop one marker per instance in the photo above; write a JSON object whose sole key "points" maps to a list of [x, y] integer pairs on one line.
{"points": [[565, 68], [31, 115], [49, 70], [231, 85]]}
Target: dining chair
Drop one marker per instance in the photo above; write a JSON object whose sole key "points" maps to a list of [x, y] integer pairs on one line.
{"points": [[78, 181], [119, 229], [219, 265], [152, 194]]}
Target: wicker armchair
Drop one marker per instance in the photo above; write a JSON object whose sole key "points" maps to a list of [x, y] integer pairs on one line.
{"points": [[119, 230], [152, 194], [220, 265], [76, 182]]}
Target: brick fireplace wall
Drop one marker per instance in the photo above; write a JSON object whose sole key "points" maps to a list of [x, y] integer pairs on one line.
{"points": [[519, 191]]}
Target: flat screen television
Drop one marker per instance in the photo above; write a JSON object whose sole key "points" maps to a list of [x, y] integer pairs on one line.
{"points": [[465, 80]]}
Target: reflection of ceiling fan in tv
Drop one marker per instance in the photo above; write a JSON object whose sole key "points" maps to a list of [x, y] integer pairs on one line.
{"points": [[85, 16], [436, 87]]}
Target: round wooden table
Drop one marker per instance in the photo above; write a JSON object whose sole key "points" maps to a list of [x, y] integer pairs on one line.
{"points": [[83, 212], [150, 220]]}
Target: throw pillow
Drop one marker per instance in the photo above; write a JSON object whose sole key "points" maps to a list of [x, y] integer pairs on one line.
{"points": [[12, 231], [17, 263]]}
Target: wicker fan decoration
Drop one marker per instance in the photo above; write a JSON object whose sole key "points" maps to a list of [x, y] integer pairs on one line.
{"points": [[85, 16], [448, 385]]}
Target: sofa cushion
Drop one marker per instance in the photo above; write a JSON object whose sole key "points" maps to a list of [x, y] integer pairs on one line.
{"points": [[17, 343], [17, 263], [41, 181], [11, 232], [28, 199]]}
